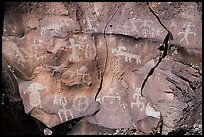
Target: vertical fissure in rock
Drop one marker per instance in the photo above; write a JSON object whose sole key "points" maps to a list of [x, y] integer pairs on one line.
{"points": [[163, 48], [106, 58]]}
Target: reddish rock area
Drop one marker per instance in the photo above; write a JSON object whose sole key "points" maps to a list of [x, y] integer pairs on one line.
{"points": [[73, 59]]}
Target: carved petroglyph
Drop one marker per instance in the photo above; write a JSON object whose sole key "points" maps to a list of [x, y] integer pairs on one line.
{"points": [[34, 96], [144, 22], [124, 83], [134, 28], [121, 51], [156, 32], [80, 103], [84, 74], [115, 117], [124, 107], [62, 101], [186, 32], [75, 56], [110, 101], [127, 28], [20, 55], [173, 24], [138, 98], [90, 51], [54, 27], [64, 114], [145, 26], [35, 46], [116, 65], [147, 33]]}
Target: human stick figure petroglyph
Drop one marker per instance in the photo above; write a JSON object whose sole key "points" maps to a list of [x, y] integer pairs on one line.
{"points": [[186, 32], [34, 96], [121, 51], [73, 46], [146, 25], [138, 98], [62, 101]]}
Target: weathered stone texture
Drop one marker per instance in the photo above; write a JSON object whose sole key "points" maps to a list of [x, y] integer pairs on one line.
{"points": [[67, 67]]}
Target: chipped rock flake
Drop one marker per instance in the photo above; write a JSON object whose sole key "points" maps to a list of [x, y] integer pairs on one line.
{"points": [[151, 112]]}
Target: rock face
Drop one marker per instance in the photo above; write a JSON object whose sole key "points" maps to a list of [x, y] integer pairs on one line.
{"points": [[90, 60]]}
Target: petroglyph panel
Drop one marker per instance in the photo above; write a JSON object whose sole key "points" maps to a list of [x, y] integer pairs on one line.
{"points": [[80, 103]]}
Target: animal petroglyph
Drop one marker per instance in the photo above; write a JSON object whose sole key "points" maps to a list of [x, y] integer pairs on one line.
{"points": [[186, 32], [34, 96], [80, 103], [83, 72], [121, 51], [138, 98]]}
